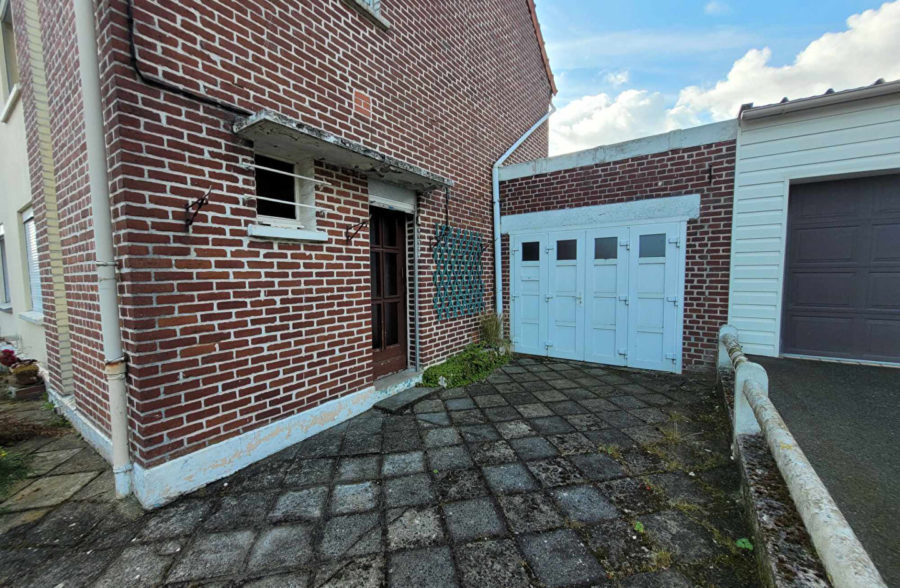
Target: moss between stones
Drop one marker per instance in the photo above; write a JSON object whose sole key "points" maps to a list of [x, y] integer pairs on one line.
{"points": [[474, 363]]}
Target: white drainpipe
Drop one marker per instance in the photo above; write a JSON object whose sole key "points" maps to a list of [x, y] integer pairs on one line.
{"points": [[495, 184], [95, 143]]}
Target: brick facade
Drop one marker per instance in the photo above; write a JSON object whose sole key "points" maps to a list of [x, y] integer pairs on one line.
{"points": [[223, 332], [707, 170]]}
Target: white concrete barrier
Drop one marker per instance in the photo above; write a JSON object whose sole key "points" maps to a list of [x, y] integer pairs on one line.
{"points": [[846, 561]]}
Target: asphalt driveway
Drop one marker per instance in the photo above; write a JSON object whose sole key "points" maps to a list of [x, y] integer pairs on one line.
{"points": [[846, 418]]}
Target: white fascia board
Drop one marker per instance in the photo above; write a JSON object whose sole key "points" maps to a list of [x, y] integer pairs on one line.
{"points": [[649, 210], [158, 485], [678, 139]]}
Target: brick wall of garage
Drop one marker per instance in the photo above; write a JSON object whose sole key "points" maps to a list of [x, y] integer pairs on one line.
{"points": [[707, 170], [225, 333]]}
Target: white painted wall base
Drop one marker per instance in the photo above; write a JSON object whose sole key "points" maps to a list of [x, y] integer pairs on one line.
{"points": [[94, 436], [158, 485]]}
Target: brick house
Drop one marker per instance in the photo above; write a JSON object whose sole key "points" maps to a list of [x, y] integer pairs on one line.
{"points": [[245, 207]]}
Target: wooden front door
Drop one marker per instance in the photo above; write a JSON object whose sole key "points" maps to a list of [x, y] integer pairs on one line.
{"points": [[387, 237]]}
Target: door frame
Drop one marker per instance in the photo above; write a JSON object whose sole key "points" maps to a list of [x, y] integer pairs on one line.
{"points": [[403, 281]]}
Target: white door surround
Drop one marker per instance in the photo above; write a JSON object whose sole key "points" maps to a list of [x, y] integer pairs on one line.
{"points": [[601, 283]]}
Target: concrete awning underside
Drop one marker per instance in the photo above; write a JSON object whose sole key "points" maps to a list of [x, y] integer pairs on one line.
{"points": [[277, 135]]}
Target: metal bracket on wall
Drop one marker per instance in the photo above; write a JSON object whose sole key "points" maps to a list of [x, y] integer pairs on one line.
{"points": [[196, 205], [356, 229]]}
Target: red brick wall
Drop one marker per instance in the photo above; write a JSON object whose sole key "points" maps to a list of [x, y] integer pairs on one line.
{"points": [[225, 333], [707, 170]]}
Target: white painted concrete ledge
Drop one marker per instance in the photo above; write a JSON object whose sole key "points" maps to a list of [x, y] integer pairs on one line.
{"points": [[678, 139], [94, 436], [158, 485], [650, 210]]}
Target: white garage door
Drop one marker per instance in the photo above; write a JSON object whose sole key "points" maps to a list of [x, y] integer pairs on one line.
{"points": [[605, 295]]}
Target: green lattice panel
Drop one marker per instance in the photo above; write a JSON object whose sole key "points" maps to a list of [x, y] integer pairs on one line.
{"points": [[459, 287]]}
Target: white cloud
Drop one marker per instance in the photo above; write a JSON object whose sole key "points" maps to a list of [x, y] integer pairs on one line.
{"points": [[865, 51], [714, 7], [600, 119], [595, 50], [617, 78]]}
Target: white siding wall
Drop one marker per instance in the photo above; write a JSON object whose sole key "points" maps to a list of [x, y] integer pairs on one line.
{"points": [[854, 138]]}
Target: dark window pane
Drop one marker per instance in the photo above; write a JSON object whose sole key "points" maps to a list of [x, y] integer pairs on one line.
{"points": [[376, 326], [606, 248], [376, 272], [566, 249], [653, 245], [531, 251], [391, 323], [390, 232], [277, 186], [390, 274], [374, 231]]}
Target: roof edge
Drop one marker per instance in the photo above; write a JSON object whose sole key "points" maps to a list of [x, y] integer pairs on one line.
{"points": [[677, 139], [540, 39], [879, 88]]}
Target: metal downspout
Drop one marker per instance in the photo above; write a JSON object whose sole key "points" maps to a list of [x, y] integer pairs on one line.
{"points": [[95, 147], [495, 187]]}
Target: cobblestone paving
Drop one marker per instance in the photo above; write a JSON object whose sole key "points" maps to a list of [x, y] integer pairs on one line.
{"points": [[550, 473]]}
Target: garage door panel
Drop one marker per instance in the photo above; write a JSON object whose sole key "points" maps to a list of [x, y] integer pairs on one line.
{"points": [[819, 289], [565, 285], [649, 348], [606, 312], [881, 338], [528, 284], [830, 333], [842, 280], [886, 242], [884, 291], [829, 244]]}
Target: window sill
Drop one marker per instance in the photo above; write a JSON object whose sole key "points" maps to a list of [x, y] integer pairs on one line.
{"points": [[10, 105], [287, 233], [35, 318], [367, 12]]}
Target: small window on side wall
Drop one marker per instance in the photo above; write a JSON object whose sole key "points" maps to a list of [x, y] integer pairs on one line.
{"points": [[10, 67], [29, 232], [281, 197]]}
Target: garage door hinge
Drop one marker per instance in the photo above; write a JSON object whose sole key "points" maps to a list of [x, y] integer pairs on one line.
{"points": [[676, 241], [670, 356], [625, 243], [547, 346], [623, 352], [624, 299], [673, 300], [548, 297]]}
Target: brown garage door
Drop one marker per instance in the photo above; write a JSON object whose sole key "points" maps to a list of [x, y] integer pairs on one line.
{"points": [[842, 282]]}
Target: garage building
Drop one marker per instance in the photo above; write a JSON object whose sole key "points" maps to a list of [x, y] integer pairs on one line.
{"points": [[619, 254], [816, 246]]}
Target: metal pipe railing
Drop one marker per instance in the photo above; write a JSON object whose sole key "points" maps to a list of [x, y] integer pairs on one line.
{"points": [[846, 561]]}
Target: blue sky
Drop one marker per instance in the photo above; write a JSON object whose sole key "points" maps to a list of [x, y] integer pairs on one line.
{"points": [[653, 50]]}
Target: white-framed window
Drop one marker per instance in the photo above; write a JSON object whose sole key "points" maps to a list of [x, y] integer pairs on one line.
{"points": [[371, 9], [8, 46], [29, 234], [5, 298], [283, 198]]}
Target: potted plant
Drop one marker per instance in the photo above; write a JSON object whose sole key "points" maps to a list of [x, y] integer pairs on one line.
{"points": [[25, 372]]}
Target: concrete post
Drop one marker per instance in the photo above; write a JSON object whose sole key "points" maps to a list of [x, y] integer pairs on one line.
{"points": [[724, 361], [744, 419]]}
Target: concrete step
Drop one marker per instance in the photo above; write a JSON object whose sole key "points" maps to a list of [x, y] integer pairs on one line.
{"points": [[400, 400]]}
